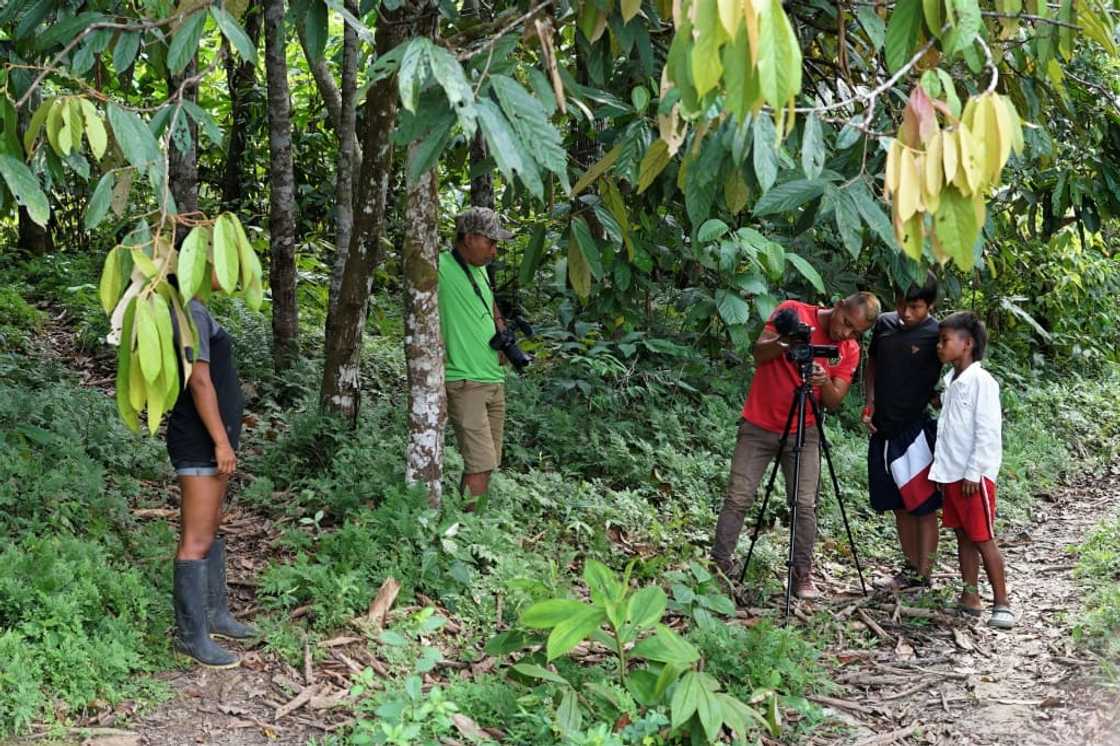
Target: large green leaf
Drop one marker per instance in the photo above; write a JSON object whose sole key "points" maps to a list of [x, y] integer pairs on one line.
{"points": [[534, 671], [315, 26], [113, 276], [226, 259], [569, 717], [124, 53], [547, 614], [147, 337], [812, 147], [184, 43], [507, 149], [574, 630], [740, 77], [686, 698], [902, 32], [531, 259], [779, 55], [788, 196], [449, 74], [956, 226], [871, 210], [588, 246], [232, 30], [807, 271], [191, 269], [99, 202], [874, 26], [666, 646], [413, 73], [124, 374], [646, 607], [134, 138], [968, 25], [25, 188], [764, 151], [847, 221], [732, 308], [579, 273], [532, 125]]}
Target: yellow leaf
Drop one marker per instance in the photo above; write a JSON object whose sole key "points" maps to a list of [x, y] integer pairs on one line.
{"points": [[949, 155], [730, 14], [136, 381], [597, 169], [934, 176], [891, 177], [972, 165], [909, 186], [1016, 125], [1003, 125], [910, 234], [735, 191], [653, 163], [629, 9], [986, 129], [147, 338], [750, 18], [579, 273]]}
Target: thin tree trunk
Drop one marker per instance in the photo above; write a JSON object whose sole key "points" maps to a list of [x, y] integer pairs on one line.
{"points": [[340, 392], [344, 187], [282, 208], [241, 78], [324, 81], [182, 163], [427, 400], [482, 177]]}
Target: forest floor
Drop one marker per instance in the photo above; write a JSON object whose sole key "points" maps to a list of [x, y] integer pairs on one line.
{"points": [[927, 676]]}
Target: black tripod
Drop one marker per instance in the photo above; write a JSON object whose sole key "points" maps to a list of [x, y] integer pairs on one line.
{"points": [[803, 396]]}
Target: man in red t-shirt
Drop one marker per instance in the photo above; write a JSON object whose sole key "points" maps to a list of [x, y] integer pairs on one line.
{"points": [[764, 418]]}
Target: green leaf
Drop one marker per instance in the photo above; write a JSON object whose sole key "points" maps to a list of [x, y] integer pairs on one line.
{"points": [[603, 584], [508, 151], [95, 129], [147, 337], [806, 270], [34, 126], [642, 684], [588, 246], [112, 279], [874, 26], [232, 30], [646, 607], [191, 270], [712, 230], [686, 698], [315, 29], [134, 137], [25, 188], [779, 55], [709, 710], [764, 152], [579, 273], [449, 74], [169, 364], [968, 25], [393, 638], [99, 202], [847, 221], [574, 630], [568, 714], [534, 671], [124, 373], [413, 73], [812, 148], [653, 163], [531, 259], [902, 32], [666, 646], [788, 196], [506, 642], [873, 214], [124, 53], [956, 227], [144, 263], [225, 252], [547, 614], [740, 77], [732, 308], [531, 123], [184, 44]]}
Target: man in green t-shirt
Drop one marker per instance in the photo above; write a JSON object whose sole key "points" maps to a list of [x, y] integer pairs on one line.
{"points": [[469, 318]]}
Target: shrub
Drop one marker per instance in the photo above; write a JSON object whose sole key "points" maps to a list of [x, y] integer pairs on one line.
{"points": [[18, 320]]}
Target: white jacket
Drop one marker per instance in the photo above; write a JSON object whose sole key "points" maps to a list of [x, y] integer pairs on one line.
{"points": [[969, 439]]}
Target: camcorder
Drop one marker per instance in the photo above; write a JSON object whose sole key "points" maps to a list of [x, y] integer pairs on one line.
{"points": [[505, 340], [800, 351]]}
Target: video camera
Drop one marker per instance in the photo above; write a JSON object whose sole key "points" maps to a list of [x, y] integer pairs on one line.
{"points": [[800, 351]]}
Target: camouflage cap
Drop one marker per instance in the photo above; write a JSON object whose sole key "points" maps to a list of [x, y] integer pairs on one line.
{"points": [[483, 221]]}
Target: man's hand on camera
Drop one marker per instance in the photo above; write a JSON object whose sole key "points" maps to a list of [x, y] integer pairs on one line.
{"points": [[820, 375]]}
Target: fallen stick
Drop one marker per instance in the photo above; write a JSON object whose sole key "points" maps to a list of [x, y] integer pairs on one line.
{"points": [[885, 738], [841, 703], [917, 613], [308, 673], [301, 699], [873, 625], [907, 692]]}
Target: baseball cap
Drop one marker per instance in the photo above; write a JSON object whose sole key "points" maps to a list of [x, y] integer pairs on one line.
{"points": [[484, 222]]}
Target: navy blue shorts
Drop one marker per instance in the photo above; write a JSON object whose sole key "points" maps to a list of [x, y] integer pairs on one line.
{"points": [[881, 483]]}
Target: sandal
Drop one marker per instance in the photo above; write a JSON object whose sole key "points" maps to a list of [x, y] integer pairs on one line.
{"points": [[968, 611], [1002, 617]]}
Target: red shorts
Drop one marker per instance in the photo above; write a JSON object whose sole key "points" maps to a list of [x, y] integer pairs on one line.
{"points": [[975, 514]]}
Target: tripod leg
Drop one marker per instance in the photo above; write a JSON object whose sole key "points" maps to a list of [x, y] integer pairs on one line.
{"points": [[769, 489], [826, 450], [798, 444]]}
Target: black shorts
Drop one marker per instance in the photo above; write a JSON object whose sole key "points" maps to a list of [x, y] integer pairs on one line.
{"points": [[881, 483]]}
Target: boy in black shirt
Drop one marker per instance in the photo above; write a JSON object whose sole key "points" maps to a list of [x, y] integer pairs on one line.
{"points": [[902, 372]]}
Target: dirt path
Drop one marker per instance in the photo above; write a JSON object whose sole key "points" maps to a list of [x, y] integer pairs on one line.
{"points": [[948, 681]]}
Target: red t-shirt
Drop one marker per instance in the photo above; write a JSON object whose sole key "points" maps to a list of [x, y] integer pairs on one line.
{"points": [[775, 382]]}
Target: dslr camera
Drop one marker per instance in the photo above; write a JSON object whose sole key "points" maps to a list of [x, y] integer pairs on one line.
{"points": [[801, 351], [505, 340]]}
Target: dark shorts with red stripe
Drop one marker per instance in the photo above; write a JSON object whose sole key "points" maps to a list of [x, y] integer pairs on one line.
{"points": [[880, 482], [974, 514]]}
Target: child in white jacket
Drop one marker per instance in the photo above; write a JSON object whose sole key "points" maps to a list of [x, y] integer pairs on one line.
{"points": [[967, 459]]}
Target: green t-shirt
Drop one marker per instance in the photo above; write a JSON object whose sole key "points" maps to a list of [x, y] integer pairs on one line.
{"points": [[466, 324]]}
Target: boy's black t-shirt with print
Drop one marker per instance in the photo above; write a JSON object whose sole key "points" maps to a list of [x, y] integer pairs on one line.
{"points": [[187, 437], [906, 371]]}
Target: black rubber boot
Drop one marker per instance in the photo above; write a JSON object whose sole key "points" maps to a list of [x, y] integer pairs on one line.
{"points": [[222, 623], [191, 638]]}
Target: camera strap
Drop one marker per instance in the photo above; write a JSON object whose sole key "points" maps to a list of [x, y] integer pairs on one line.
{"points": [[474, 283]]}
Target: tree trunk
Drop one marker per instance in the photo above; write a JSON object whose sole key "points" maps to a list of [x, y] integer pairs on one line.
{"points": [[344, 186], [182, 163], [34, 239], [482, 177], [324, 81], [241, 78], [427, 400], [282, 207], [340, 392]]}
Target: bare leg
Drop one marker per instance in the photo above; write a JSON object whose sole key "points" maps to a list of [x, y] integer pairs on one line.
{"points": [[926, 533], [969, 559], [993, 568], [201, 512], [907, 536]]}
